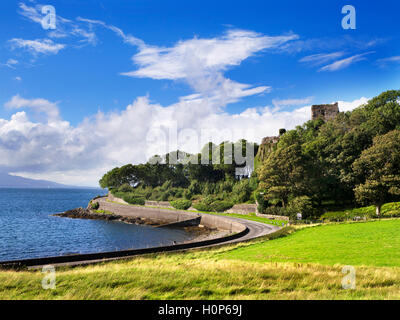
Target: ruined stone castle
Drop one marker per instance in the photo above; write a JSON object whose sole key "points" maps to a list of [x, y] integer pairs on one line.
{"points": [[324, 111]]}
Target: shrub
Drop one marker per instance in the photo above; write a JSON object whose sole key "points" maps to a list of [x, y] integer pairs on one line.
{"points": [[194, 187], [133, 199], [208, 200], [365, 212], [167, 185], [391, 209], [277, 211], [262, 202], [220, 206], [242, 191], [181, 204], [179, 193], [95, 205], [201, 206], [302, 205], [187, 194]]}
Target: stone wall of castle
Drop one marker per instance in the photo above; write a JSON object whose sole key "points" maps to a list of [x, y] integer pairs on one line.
{"points": [[324, 111]]}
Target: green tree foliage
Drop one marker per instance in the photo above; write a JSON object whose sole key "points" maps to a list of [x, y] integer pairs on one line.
{"points": [[349, 158], [303, 205], [181, 204], [316, 159], [178, 174], [284, 173], [378, 169]]}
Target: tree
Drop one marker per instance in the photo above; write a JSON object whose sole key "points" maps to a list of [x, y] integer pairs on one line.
{"points": [[378, 170], [283, 174], [303, 205]]}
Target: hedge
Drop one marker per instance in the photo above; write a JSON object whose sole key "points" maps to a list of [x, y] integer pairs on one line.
{"points": [[133, 199], [181, 204], [220, 206], [216, 206]]}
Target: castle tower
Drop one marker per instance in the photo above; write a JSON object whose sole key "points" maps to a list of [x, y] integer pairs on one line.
{"points": [[324, 111]]}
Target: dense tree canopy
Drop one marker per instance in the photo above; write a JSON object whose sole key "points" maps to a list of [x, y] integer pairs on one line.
{"points": [[378, 169], [210, 171], [354, 157], [319, 159]]}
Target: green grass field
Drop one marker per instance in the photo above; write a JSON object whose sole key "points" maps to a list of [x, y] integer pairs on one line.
{"points": [[374, 243], [306, 264]]}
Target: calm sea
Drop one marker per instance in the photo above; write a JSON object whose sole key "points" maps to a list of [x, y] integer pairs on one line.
{"points": [[27, 229]]}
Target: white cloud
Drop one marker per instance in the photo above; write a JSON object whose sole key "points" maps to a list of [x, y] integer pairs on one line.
{"points": [[65, 27], [348, 106], [30, 12], [321, 58], [291, 102], [80, 154], [38, 105], [202, 55], [11, 63], [201, 62], [127, 38], [43, 46], [389, 60], [344, 63]]}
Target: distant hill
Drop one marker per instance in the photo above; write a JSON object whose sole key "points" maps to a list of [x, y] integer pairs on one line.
{"points": [[9, 181]]}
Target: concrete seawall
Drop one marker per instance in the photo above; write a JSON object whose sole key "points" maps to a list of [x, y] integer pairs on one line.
{"points": [[169, 217], [239, 230]]}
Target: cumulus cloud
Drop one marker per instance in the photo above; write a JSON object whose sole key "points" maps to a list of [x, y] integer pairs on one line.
{"points": [[38, 105], [348, 106], [80, 154]]}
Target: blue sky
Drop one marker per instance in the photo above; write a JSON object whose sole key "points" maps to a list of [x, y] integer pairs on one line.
{"points": [[201, 64]]}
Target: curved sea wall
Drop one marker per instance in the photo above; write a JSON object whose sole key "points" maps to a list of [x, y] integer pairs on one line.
{"points": [[164, 217], [169, 217]]}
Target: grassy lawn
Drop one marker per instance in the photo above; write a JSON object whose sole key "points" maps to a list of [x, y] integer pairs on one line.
{"points": [[374, 243], [251, 217], [304, 265]]}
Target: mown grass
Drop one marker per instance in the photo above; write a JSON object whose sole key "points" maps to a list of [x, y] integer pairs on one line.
{"points": [[373, 243], [306, 264]]}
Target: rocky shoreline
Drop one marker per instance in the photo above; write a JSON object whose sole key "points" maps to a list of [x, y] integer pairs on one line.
{"points": [[199, 232]]}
